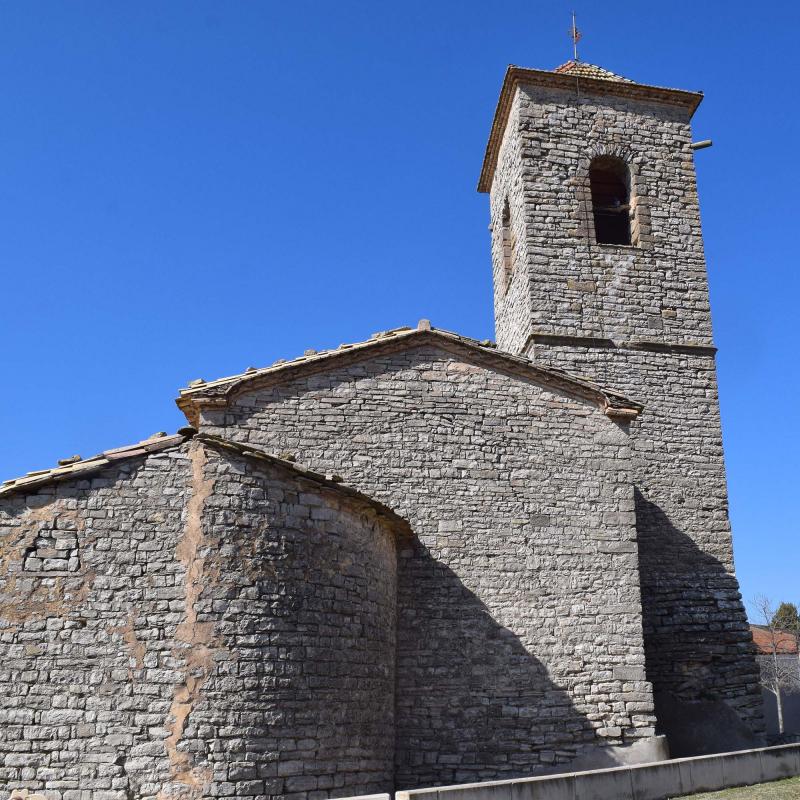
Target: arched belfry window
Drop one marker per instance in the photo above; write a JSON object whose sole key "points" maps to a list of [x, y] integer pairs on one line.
{"points": [[611, 200]]}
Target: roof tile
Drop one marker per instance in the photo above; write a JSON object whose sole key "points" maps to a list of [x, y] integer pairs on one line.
{"points": [[583, 70], [33, 480]]}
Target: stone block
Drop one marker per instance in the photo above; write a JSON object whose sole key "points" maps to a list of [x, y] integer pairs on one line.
{"points": [[602, 784], [743, 768], [551, 788]]}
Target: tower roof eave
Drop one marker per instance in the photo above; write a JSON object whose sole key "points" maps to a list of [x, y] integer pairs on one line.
{"points": [[565, 79]]}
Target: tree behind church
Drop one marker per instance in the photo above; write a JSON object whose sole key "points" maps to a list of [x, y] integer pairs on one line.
{"points": [[779, 675], [786, 618]]}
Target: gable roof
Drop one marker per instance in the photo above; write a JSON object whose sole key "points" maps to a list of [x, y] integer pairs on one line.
{"points": [[218, 393], [77, 467], [592, 80]]}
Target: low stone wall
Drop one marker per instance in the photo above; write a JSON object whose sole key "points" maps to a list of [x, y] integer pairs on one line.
{"points": [[659, 781]]}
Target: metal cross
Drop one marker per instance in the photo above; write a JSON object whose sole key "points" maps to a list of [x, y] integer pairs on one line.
{"points": [[575, 35]]}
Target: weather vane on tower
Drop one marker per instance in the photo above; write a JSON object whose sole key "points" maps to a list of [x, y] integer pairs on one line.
{"points": [[575, 35]]}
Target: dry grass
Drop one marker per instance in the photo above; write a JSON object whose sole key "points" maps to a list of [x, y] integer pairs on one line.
{"points": [[777, 790]]}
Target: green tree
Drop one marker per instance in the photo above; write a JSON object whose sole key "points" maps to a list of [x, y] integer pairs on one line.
{"points": [[786, 618]]}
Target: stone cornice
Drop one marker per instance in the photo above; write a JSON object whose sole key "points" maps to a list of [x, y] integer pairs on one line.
{"points": [[648, 345]]}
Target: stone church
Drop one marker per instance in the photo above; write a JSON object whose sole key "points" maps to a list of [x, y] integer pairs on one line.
{"points": [[420, 559]]}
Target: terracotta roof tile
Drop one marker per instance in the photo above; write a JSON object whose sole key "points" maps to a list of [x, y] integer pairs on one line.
{"points": [[583, 70], [785, 642]]}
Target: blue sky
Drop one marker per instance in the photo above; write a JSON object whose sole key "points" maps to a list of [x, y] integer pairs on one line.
{"points": [[191, 188]]}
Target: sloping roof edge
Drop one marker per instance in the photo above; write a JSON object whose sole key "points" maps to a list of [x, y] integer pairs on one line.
{"points": [[783, 642], [328, 481], [219, 393], [583, 69], [516, 76], [84, 467]]}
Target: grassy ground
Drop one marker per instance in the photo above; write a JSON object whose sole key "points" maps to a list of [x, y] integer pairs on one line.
{"points": [[778, 790]]}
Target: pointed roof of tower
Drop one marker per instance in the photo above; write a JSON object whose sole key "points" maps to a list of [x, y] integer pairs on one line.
{"points": [[593, 80], [584, 70]]}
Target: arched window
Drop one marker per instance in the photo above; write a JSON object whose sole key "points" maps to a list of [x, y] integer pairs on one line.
{"points": [[507, 244], [611, 200]]}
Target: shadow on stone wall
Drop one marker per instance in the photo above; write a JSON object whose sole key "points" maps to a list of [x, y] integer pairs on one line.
{"points": [[698, 646], [473, 703]]}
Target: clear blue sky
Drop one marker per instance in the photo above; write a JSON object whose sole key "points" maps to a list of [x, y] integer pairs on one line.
{"points": [[190, 188]]}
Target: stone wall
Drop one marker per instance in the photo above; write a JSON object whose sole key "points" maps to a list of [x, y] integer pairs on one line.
{"points": [[302, 596], [87, 664], [519, 620], [574, 286], [636, 318], [229, 619], [697, 639]]}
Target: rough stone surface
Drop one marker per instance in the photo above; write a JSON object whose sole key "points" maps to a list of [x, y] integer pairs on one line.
{"points": [[230, 621], [519, 629], [515, 561], [628, 317], [564, 283]]}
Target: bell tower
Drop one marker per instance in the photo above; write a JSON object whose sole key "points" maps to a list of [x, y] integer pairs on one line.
{"points": [[598, 265], [594, 212]]}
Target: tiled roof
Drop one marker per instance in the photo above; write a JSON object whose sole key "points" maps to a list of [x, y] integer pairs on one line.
{"points": [[785, 643], [217, 392], [611, 402], [583, 70], [77, 467]]}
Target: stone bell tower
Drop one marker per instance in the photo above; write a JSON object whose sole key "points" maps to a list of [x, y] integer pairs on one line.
{"points": [[599, 269]]}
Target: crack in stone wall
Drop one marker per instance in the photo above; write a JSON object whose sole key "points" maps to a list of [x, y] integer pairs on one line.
{"points": [[194, 640]]}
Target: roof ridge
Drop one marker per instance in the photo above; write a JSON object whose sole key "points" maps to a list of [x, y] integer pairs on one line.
{"points": [[217, 392], [162, 441]]}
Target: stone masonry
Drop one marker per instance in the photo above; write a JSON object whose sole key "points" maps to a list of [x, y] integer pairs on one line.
{"points": [[636, 318], [519, 640], [419, 559], [232, 617]]}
